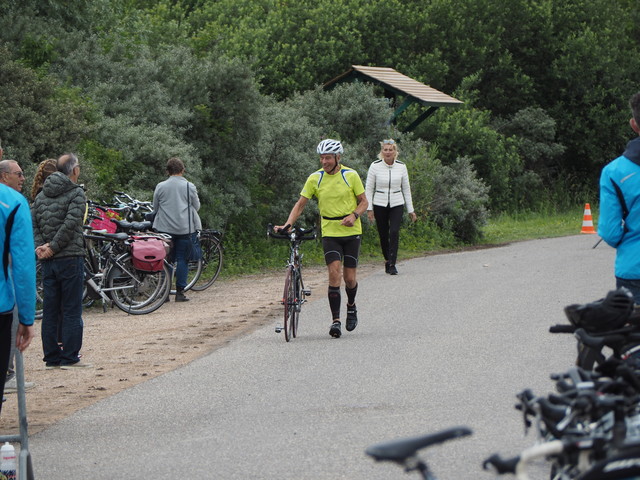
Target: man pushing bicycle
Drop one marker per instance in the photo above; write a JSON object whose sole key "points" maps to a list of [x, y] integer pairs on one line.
{"points": [[341, 200]]}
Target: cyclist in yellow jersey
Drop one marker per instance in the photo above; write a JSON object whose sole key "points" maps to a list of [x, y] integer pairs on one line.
{"points": [[341, 200]]}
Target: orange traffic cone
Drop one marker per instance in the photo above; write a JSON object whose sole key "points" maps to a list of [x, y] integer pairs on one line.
{"points": [[587, 221]]}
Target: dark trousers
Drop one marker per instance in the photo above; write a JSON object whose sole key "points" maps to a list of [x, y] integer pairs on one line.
{"points": [[6, 319], [388, 220], [63, 289]]}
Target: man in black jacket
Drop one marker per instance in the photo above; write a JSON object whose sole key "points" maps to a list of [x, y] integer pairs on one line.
{"points": [[58, 214]]}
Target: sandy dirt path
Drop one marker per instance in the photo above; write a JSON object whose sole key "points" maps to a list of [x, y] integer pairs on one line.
{"points": [[126, 350]]}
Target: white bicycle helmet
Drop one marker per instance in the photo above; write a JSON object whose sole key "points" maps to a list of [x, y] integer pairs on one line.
{"points": [[330, 146]]}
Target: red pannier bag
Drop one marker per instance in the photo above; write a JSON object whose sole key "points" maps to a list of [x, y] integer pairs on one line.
{"points": [[148, 253], [104, 222]]}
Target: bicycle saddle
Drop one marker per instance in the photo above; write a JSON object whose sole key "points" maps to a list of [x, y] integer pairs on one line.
{"points": [[401, 449]]}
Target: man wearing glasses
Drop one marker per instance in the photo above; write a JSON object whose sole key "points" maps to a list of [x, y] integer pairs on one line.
{"points": [[12, 176]]}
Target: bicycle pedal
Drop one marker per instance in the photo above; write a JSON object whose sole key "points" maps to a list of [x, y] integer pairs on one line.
{"points": [[278, 329], [307, 292]]}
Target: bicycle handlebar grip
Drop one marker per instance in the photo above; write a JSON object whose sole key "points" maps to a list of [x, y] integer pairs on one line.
{"points": [[562, 328], [500, 464]]}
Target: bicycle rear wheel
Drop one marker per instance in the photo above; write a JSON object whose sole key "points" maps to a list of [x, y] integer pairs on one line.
{"points": [[193, 274], [134, 291], [290, 307], [211, 261]]}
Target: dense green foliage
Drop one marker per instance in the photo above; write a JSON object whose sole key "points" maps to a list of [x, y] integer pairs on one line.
{"points": [[233, 88]]}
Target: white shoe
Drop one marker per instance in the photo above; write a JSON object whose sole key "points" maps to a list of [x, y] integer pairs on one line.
{"points": [[11, 386]]}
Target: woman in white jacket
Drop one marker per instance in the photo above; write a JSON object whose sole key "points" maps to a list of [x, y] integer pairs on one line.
{"points": [[388, 192]]}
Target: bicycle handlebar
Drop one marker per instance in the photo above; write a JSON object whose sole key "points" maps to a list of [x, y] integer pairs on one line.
{"points": [[297, 233]]}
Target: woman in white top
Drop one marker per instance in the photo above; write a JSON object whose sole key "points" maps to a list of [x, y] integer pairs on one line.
{"points": [[388, 191]]}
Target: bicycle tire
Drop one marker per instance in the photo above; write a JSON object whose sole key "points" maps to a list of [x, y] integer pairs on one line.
{"points": [[298, 301], [288, 300], [212, 258], [134, 291], [193, 274]]}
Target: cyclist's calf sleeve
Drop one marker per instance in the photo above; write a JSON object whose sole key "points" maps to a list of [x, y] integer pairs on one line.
{"points": [[351, 294], [334, 301]]}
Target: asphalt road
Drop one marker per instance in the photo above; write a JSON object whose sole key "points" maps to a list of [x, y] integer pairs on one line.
{"points": [[449, 341]]}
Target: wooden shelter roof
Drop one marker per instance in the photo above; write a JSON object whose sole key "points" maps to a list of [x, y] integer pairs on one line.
{"points": [[397, 84]]}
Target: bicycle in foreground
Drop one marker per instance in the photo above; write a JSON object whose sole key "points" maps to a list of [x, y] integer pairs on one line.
{"points": [[295, 293], [622, 464], [589, 429]]}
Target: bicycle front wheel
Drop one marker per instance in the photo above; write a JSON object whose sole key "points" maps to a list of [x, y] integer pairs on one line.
{"points": [[290, 307], [298, 300], [134, 291], [211, 262]]}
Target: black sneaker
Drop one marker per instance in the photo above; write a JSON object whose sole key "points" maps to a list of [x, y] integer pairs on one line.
{"points": [[352, 318], [393, 270], [335, 331], [181, 297], [386, 267]]}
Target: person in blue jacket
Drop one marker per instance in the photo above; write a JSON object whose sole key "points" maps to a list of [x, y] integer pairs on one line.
{"points": [[18, 276], [619, 222]]}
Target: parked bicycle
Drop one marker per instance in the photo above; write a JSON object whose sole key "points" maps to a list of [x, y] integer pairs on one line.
{"points": [[110, 276], [201, 273], [295, 292]]}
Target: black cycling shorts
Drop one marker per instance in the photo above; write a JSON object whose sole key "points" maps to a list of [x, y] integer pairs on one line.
{"points": [[344, 249]]}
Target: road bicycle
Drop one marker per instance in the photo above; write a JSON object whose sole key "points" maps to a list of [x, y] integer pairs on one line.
{"points": [[295, 292]]}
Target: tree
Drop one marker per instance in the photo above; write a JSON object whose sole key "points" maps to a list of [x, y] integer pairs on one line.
{"points": [[39, 118]]}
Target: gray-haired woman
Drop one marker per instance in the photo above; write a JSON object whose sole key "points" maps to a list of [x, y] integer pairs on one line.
{"points": [[388, 192]]}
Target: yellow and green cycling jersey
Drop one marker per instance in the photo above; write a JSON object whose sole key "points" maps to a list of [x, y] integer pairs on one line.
{"points": [[336, 196]]}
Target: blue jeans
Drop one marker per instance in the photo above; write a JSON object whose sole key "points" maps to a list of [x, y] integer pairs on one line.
{"points": [[180, 247], [63, 282], [632, 285]]}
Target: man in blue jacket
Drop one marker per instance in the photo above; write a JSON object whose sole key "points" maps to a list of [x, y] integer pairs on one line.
{"points": [[619, 222], [18, 278]]}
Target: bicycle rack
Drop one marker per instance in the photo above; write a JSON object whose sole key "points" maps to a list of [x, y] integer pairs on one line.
{"points": [[25, 468]]}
